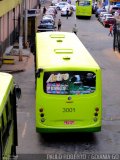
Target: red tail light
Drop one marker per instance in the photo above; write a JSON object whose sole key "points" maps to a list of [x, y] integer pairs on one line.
{"points": [[96, 109], [41, 109]]}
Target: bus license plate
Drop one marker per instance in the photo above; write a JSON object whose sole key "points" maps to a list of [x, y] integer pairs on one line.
{"points": [[68, 122]]}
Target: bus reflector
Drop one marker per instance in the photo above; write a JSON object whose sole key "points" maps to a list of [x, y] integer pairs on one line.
{"points": [[42, 119], [95, 119]]}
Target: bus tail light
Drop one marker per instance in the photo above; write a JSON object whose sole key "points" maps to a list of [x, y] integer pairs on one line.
{"points": [[96, 109], [95, 114], [41, 109], [42, 115]]}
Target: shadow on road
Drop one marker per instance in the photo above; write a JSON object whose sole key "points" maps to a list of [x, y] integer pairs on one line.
{"points": [[80, 138]]}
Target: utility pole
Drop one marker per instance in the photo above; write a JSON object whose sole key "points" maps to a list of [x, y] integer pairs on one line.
{"points": [[21, 32]]}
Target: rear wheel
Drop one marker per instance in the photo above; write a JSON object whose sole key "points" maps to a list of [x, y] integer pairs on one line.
{"points": [[13, 150]]}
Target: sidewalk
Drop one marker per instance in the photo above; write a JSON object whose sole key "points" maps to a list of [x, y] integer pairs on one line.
{"points": [[20, 66]]}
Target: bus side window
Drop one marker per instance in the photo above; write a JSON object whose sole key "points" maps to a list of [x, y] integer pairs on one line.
{"points": [[6, 108], [3, 133], [6, 123], [8, 115], [2, 123], [11, 103]]}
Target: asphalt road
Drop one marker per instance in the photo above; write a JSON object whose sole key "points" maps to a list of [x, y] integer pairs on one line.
{"points": [[95, 37]]}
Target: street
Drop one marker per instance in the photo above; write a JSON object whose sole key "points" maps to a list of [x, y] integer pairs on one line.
{"points": [[95, 38]]}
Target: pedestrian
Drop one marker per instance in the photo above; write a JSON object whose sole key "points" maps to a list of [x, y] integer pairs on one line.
{"points": [[75, 30], [44, 10], [114, 28], [59, 25], [67, 13], [110, 30], [39, 4]]}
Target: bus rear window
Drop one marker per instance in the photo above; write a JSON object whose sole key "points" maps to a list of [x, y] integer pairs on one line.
{"points": [[69, 83], [84, 3]]}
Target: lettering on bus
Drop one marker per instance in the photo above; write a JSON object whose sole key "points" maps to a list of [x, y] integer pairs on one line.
{"points": [[58, 77], [68, 109]]}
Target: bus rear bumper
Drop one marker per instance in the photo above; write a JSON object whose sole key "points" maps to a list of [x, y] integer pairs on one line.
{"points": [[60, 130]]}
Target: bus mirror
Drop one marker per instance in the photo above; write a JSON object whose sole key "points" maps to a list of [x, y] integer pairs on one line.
{"points": [[38, 73], [32, 48], [18, 91]]}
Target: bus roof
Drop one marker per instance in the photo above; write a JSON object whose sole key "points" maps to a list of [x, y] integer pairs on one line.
{"points": [[58, 49], [5, 84]]}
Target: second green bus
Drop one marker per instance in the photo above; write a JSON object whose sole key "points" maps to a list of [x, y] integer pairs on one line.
{"points": [[84, 8]]}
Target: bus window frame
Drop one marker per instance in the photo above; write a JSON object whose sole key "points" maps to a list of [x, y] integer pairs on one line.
{"points": [[83, 73]]}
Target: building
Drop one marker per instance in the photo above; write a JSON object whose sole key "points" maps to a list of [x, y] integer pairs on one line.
{"points": [[10, 14]]}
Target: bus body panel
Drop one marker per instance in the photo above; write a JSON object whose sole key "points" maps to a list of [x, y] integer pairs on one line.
{"points": [[73, 111]]}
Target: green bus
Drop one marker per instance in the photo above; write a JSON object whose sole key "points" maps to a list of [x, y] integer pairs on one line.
{"points": [[84, 8], [8, 116], [68, 85]]}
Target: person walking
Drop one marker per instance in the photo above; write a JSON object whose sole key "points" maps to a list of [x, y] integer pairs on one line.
{"points": [[39, 4], [44, 10], [75, 30], [59, 25], [67, 14], [110, 30]]}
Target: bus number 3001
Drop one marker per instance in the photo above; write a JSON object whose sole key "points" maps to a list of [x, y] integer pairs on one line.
{"points": [[68, 109]]}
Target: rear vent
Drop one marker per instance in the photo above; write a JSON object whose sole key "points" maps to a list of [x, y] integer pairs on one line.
{"points": [[63, 51], [66, 58], [59, 40], [57, 36]]}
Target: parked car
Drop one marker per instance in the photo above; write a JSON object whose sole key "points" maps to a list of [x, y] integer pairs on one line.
{"points": [[105, 15], [50, 11], [54, 2], [108, 21], [100, 16], [99, 10], [73, 7], [114, 8], [64, 11], [46, 26], [60, 5], [54, 8], [48, 17]]}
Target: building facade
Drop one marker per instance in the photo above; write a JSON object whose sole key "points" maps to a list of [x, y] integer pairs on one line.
{"points": [[10, 21]]}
